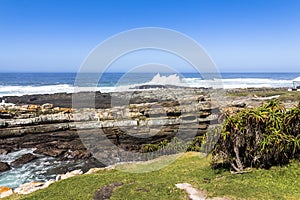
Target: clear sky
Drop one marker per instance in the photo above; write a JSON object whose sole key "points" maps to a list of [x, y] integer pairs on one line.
{"points": [[239, 35]]}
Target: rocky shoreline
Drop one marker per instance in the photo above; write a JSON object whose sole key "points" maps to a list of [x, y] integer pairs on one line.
{"points": [[54, 130], [49, 124]]}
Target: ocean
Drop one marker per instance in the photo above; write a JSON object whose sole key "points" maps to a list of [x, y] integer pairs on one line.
{"points": [[16, 84]]}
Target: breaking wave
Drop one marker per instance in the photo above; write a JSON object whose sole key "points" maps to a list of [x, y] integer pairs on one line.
{"points": [[158, 79]]}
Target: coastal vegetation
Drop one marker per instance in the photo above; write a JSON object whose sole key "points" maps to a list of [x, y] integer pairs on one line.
{"points": [[259, 137]]}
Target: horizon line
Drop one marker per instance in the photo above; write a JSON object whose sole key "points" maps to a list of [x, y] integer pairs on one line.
{"points": [[58, 72]]}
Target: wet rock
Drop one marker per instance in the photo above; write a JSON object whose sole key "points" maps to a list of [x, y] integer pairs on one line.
{"points": [[79, 154], [53, 152], [5, 191], [26, 158], [4, 167], [102, 100], [4, 151]]}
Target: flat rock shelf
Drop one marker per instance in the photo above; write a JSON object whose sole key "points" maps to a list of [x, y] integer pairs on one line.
{"points": [[146, 117]]}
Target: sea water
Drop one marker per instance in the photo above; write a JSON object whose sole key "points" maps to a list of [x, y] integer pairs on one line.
{"points": [[41, 169], [16, 84]]}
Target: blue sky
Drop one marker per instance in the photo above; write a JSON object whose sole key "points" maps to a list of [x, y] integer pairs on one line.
{"points": [[239, 35]]}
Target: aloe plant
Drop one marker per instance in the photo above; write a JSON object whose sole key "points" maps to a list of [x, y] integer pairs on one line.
{"points": [[259, 137]]}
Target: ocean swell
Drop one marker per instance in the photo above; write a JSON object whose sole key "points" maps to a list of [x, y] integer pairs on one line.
{"points": [[158, 79]]}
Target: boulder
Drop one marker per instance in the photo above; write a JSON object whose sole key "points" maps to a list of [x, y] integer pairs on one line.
{"points": [[26, 158], [4, 167], [5, 192], [80, 154], [4, 151], [53, 152]]}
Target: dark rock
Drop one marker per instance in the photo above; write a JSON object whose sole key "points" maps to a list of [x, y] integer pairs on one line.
{"points": [[91, 163], [75, 144], [3, 124], [4, 151], [80, 154], [6, 115], [4, 167], [26, 158], [53, 152], [102, 100], [156, 86]]}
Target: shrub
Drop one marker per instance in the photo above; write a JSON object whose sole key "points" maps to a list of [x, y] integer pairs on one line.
{"points": [[259, 137]]}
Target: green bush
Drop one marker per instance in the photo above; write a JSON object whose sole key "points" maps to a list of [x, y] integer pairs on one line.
{"points": [[175, 145], [260, 137]]}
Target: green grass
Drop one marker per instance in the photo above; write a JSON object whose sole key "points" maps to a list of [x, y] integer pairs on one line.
{"points": [[284, 94], [275, 183]]}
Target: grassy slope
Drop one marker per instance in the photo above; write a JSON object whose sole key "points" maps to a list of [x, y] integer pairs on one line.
{"points": [[276, 183]]}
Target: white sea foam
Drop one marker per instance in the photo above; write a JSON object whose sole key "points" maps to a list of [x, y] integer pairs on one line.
{"points": [[22, 90], [217, 83], [10, 157], [38, 170], [158, 79], [238, 83], [226, 83]]}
